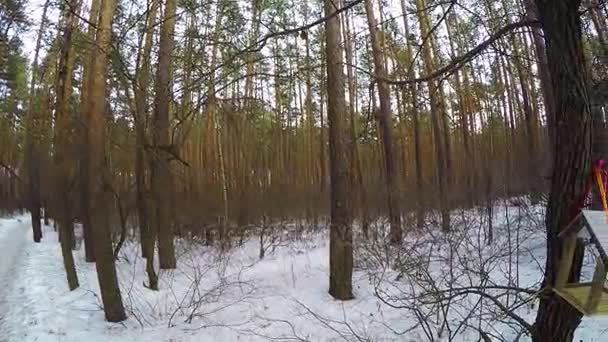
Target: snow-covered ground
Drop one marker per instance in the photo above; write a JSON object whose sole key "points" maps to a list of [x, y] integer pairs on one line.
{"points": [[13, 237], [232, 296]]}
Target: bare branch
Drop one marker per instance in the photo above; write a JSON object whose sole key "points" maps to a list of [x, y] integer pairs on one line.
{"points": [[458, 62], [11, 171]]}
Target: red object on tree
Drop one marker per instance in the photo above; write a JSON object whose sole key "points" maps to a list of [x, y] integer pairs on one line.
{"points": [[599, 166]]}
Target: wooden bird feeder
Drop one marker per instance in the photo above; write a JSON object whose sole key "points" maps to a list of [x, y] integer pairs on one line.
{"points": [[590, 298]]}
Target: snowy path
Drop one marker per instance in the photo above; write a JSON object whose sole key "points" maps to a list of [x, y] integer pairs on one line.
{"points": [[13, 235]]}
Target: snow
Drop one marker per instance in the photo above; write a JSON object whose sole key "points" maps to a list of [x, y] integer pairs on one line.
{"points": [[234, 296], [598, 221], [13, 236]]}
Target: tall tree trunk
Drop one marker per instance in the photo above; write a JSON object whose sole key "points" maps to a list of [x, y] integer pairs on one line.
{"points": [[463, 107], [556, 320], [410, 64], [213, 126], [437, 108], [341, 240], [33, 132], [100, 181], [310, 124], [85, 187], [63, 143], [533, 181], [322, 143], [530, 124], [256, 15], [545, 77], [386, 127], [148, 235], [356, 174], [161, 173]]}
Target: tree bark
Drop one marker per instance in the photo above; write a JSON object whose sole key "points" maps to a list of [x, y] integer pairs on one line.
{"points": [[463, 106], [556, 319], [533, 183], [85, 210], [411, 65], [545, 77], [386, 127], [63, 143], [340, 245], [256, 14], [147, 235], [100, 183], [33, 132], [356, 174], [161, 173], [437, 108]]}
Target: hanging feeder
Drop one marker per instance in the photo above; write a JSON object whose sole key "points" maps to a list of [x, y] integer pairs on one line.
{"points": [[590, 298]]}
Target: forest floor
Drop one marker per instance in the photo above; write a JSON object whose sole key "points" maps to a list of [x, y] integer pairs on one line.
{"points": [[235, 296], [13, 238]]}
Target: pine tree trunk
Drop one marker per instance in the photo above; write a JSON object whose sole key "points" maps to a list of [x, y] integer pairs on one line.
{"points": [[386, 127], [356, 174], [437, 108], [147, 235], [310, 125], [32, 145], [63, 142], [530, 123], [556, 320], [256, 16], [411, 65], [161, 173], [85, 210], [545, 77], [463, 108], [99, 182], [340, 245]]}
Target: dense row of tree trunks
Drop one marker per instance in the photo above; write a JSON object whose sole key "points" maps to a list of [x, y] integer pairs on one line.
{"points": [[437, 110], [256, 14], [544, 75], [415, 111], [214, 145], [295, 162], [530, 124], [529, 114], [357, 176]]}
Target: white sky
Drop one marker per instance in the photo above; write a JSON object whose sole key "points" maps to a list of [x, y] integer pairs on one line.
{"points": [[33, 10]]}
